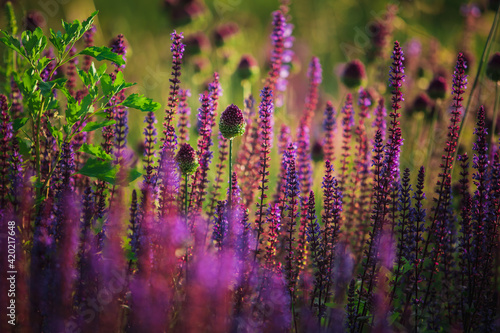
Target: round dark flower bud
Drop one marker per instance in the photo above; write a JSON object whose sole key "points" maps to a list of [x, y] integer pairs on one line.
{"points": [[232, 122], [196, 43], [34, 19], [422, 103], [186, 159], [184, 11], [247, 68], [317, 153], [437, 88], [353, 74], [493, 67], [224, 32]]}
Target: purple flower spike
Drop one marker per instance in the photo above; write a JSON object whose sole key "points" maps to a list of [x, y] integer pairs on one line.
{"points": [[277, 39], [186, 158], [184, 113], [330, 127], [177, 49], [232, 122], [118, 46], [6, 136], [266, 127]]}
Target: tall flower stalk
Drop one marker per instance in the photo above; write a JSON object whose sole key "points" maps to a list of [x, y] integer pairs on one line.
{"points": [[231, 125]]}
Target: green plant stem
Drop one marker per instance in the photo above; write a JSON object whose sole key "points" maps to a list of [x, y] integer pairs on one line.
{"points": [[230, 202], [186, 196], [186, 217], [495, 116]]}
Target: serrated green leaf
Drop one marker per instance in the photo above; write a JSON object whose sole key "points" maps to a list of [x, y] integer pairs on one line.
{"points": [[96, 151], [42, 63], [46, 88], [57, 39], [140, 102], [34, 43], [57, 134], [72, 31], [12, 43], [75, 110], [84, 76], [107, 85], [103, 53], [103, 170], [19, 123], [87, 24], [120, 84], [92, 126]]}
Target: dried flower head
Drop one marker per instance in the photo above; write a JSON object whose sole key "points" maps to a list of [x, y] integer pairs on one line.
{"points": [[187, 160], [232, 123], [354, 74]]}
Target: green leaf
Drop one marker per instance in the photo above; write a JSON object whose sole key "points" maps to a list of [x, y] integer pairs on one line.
{"points": [[42, 63], [96, 151], [12, 43], [47, 87], [140, 102], [107, 85], [103, 170], [57, 134], [87, 24], [19, 123], [34, 43], [133, 175], [103, 53], [72, 31], [57, 39], [75, 110], [92, 126]]}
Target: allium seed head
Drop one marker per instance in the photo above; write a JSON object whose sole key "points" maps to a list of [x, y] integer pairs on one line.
{"points": [[186, 158], [353, 74], [232, 123]]}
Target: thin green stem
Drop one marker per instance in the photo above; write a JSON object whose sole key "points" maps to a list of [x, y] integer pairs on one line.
{"points": [[495, 115], [186, 196], [230, 202], [186, 217]]}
